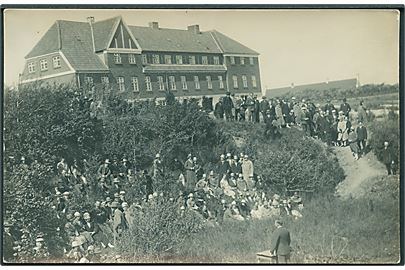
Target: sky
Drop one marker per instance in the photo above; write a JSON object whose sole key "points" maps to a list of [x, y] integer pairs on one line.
{"points": [[295, 46]]}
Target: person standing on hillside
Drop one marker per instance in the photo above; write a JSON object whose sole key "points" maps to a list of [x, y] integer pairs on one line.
{"points": [[361, 138], [361, 112], [280, 243], [388, 159], [264, 106], [345, 108], [228, 106]]}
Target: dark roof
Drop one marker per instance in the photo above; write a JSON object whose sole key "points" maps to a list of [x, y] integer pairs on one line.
{"points": [[173, 40], [231, 46], [77, 44], [180, 68], [340, 84]]}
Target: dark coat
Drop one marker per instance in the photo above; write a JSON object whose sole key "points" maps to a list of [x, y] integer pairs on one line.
{"points": [[228, 103], [264, 105], [387, 156], [223, 168], [361, 133], [280, 242]]}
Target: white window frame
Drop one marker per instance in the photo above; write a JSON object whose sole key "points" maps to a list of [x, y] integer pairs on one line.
{"points": [[155, 59], [204, 60], [216, 60], [235, 81], [132, 59], [254, 82], [242, 60], [179, 59], [191, 60], [121, 83], [221, 82], [56, 61], [43, 64], [244, 81], [135, 84], [88, 80], [105, 80], [172, 83], [209, 82], [168, 59], [148, 83], [183, 82], [31, 67], [117, 58], [197, 82], [161, 83], [144, 59], [232, 59], [251, 61]]}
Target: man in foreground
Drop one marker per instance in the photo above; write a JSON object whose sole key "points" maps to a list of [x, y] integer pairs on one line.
{"points": [[280, 243]]}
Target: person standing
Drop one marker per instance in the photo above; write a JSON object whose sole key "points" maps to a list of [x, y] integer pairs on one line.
{"points": [[8, 242], [361, 138], [219, 110], [157, 166], [388, 159], [264, 106], [345, 108], [228, 106], [247, 168], [361, 112], [191, 177], [280, 243]]}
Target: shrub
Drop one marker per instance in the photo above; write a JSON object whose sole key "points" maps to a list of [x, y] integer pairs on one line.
{"points": [[158, 229], [386, 130]]}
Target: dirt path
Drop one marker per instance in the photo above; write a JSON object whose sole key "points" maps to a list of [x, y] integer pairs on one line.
{"points": [[358, 172]]}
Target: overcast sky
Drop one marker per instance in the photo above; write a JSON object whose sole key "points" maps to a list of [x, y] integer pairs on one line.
{"points": [[295, 46]]}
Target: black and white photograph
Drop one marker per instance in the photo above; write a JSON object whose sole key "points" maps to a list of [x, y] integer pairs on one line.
{"points": [[202, 135]]}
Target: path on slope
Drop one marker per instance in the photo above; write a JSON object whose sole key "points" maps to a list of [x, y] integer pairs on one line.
{"points": [[358, 172]]}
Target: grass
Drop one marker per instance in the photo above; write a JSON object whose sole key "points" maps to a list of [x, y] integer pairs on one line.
{"points": [[331, 231]]}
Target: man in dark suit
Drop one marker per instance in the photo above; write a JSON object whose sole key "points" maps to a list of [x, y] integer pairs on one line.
{"points": [[280, 243], [388, 158], [361, 137]]}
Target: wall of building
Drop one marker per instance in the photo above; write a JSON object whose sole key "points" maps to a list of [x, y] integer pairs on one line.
{"points": [[247, 69]]}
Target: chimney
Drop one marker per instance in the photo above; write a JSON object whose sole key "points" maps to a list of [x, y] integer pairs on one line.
{"points": [[194, 28], [292, 85], [59, 36], [154, 25], [90, 20], [357, 80]]}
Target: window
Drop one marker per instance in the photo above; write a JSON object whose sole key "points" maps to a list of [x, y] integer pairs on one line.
{"points": [[172, 82], [221, 82], [168, 59], [144, 59], [56, 62], [242, 60], [148, 83], [244, 81], [117, 58], [204, 60], [251, 60], [161, 83], [131, 58], [254, 83], [135, 84], [216, 60], [235, 81], [88, 80], [105, 80], [196, 82], [209, 82], [43, 64], [179, 59], [121, 84], [183, 82], [31, 67], [191, 60], [155, 59], [232, 60]]}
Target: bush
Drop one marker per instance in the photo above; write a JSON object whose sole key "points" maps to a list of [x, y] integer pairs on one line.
{"points": [[158, 230], [386, 130]]}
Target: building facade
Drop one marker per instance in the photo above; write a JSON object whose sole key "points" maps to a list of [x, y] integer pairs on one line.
{"points": [[142, 62]]}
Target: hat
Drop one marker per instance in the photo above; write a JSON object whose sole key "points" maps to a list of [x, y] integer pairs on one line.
{"points": [[228, 155], [77, 214], [86, 215], [75, 244], [108, 199], [246, 156], [39, 239], [189, 155], [223, 201], [116, 195], [122, 192], [204, 175], [124, 160], [240, 175], [233, 203], [190, 195], [107, 161], [66, 193], [124, 204], [7, 224], [114, 205], [211, 172], [157, 155], [116, 180], [276, 196], [232, 174], [58, 193], [182, 208], [222, 156], [155, 194], [293, 98]]}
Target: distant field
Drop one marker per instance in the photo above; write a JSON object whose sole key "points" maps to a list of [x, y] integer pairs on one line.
{"points": [[372, 102]]}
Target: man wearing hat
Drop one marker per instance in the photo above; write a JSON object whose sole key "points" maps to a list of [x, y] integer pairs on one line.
{"points": [[104, 170], [329, 107], [223, 167], [247, 168], [8, 242], [119, 222], [280, 243], [345, 108], [40, 251], [190, 173], [264, 106], [228, 106]]}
